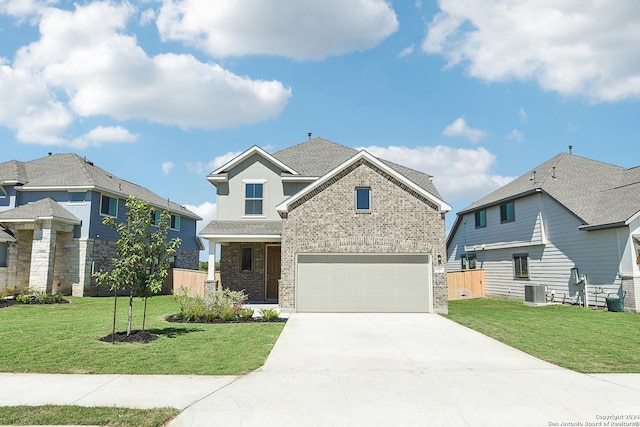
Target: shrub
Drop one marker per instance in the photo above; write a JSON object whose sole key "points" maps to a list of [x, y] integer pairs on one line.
{"points": [[246, 313], [191, 308], [270, 314], [38, 297]]}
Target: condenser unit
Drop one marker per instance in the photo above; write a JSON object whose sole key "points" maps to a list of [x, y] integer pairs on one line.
{"points": [[535, 294]]}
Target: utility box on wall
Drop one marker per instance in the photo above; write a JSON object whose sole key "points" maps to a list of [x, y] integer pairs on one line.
{"points": [[535, 294]]}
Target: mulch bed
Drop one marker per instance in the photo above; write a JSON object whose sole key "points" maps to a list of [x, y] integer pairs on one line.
{"points": [[175, 319], [7, 302], [136, 336]]}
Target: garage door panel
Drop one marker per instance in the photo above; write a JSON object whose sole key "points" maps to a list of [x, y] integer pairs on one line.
{"points": [[363, 283]]}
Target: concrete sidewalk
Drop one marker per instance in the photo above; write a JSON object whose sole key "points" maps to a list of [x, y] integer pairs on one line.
{"points": [[130, 391]]}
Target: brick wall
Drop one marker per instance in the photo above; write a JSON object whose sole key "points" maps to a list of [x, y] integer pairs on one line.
{"points": [[252, 282], [325, 221]]}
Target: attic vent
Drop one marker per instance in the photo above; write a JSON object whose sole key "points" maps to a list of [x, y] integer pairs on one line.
{"points": [[309, 135], [87, 161]]}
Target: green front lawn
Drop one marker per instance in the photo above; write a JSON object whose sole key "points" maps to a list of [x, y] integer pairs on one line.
{"points": [[584, 340], [63, 338], [80, 415]]}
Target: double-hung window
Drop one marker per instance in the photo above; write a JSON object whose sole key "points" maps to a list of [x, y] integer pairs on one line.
{"points": [[108, 206], [175, 222], [521, 266], [508, 212], [253, 198], [481, 218]]}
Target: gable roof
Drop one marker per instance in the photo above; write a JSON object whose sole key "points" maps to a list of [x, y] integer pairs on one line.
{"points": [[284, 206], [42, 209], [70, 171], [316, 157], [588, 188], [243, 156]]}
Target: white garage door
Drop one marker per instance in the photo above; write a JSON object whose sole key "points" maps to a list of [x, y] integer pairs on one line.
{"points": [[363, 283]]}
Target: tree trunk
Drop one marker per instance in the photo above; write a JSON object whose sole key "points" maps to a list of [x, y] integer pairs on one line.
{"points": [[144, 314], [130, 312], [115, 305]]}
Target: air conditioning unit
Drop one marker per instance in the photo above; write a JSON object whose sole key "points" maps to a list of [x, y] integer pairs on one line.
{"points": [[535, 294]]}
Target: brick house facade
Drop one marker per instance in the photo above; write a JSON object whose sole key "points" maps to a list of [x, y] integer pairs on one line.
{"points": [[314, 214]]}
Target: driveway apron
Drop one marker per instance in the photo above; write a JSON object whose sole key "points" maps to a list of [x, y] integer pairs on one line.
{"points": [[409, 369]]}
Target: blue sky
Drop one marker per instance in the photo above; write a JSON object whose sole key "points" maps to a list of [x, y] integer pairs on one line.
{"points": [[473, 92]]}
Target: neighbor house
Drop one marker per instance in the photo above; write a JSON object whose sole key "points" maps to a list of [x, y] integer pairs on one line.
{"points": [[323, 227], [569, 219], [51, 233]]}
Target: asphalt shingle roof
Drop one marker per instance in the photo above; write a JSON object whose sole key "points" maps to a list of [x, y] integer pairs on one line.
{"points": [[243, 228], [598, 193], [71, 170], [13, 171], [318, 156], [44, 208]]}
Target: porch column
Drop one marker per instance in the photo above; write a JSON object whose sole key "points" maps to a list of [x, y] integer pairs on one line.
{"points": [[211, 272], [42, 258]]}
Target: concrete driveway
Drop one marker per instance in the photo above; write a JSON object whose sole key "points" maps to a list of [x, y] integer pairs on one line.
{"points": [[409, 369]]}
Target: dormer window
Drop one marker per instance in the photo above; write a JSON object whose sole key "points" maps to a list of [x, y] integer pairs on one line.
{"points": [[253, 197]]}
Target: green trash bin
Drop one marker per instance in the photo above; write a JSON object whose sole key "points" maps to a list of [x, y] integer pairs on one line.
{"points": [[615, 304]]}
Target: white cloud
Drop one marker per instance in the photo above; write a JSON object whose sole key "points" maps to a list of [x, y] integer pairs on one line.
{"points": [[459, 174], [569, 46], [24, 8], [523, 114], [167, 166], [311, 29], [85, 65], [407, 51], [459, 127], [147, 16], [104, 134], [205, 168], [516, 135]]}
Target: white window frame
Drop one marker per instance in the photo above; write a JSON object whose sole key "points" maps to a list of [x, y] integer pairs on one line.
{"points": [[365, 210], [102, 196], [262, 182]]}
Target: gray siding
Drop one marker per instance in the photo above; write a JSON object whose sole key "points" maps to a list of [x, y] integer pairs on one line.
{"points": [[230, 199], [550, 235]]}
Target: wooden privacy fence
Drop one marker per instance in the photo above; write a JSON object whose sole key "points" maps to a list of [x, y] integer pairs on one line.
{"points": [[192, 280], [466, 284]]}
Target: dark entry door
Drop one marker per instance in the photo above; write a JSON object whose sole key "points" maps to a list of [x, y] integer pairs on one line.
{"points": [[273, 271]]}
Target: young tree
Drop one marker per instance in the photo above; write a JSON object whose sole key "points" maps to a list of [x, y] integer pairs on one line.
{"points": [[143, 255]]}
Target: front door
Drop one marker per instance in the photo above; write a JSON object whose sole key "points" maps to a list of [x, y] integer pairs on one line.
{"points": [[273, 271]]}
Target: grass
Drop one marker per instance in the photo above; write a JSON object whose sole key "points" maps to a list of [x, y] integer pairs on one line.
{"points": [[583, 340], [63, 338], [79, 415]]}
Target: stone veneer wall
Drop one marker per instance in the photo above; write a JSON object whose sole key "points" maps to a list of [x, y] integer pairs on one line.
{"points": [[325, 221], [66, 265], [22, 259], [187, 259], [251, 282]]}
